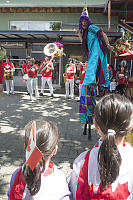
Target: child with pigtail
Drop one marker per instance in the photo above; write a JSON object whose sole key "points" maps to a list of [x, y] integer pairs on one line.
{"points": [[106, 171], [45, 180]]}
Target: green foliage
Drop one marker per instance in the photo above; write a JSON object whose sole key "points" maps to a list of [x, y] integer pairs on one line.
{"points": [[55, 26], [128, 36]]}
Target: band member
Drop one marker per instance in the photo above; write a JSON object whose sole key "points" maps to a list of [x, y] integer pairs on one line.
{"points": [[8, 75], [46, 67], [24, 64], [24, 71], [1, 75], [70, 70], [32, 78]]}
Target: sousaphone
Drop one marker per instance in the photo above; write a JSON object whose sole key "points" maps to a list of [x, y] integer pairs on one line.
{"points": [[2, 52], [50, 49]]}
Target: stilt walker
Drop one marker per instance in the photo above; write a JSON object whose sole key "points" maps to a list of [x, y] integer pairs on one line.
{"points": [[95, 43]]}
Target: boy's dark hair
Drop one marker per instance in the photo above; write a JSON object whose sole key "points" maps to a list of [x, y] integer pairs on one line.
{"points": [[112, 112], [113, 78], [46, 141]]}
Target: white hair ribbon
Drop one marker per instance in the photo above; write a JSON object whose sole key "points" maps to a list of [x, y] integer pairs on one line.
{"points": [[111, 131]]}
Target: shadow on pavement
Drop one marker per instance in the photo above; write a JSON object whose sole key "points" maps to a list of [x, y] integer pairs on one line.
{"points": [[17, 110]]}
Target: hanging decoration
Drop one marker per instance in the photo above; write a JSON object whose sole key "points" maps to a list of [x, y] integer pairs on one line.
{"points": [[121, 46], [59, 51]]}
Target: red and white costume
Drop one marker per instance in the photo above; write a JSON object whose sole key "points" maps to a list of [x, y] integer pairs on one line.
{"points": [[24, 70], [85, 181], [1, 72], [70, 79], [47, 77], [32, 80], [53, 186], [82, 70], [122, 79], [8, 76]]}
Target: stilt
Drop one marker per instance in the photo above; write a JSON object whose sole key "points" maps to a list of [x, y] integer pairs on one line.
{"points": [[85, 129], [89, 132]]}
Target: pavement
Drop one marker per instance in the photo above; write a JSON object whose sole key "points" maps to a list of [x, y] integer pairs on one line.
{"points": [[16, 110]]}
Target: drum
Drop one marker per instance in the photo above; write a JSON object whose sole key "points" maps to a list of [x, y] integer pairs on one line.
{"points": [[64, 75], [25, 77], [77, 82]]}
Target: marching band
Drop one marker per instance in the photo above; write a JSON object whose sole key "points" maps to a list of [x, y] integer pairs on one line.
{"points": [[74, 74]]}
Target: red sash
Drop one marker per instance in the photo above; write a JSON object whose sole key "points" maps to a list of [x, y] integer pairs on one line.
{"points": [[85, 191], [82, 185]]}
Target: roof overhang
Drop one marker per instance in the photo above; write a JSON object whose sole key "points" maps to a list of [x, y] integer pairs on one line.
{"points": [[121, 8], [53, 3], [45, 36]]}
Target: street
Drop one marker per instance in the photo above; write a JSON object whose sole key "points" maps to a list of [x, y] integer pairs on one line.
{"points": [[16, 110]]}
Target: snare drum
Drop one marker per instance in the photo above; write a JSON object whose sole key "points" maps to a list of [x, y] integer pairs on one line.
{"points": [[25, 77], [77, 81]]}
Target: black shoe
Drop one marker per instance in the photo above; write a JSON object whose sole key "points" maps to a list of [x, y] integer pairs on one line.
{"points": [[89, 132], [89, 136], [52, 95], [85, 130], [41, 94]]}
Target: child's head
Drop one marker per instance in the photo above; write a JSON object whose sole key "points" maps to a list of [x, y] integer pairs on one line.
{"points": [[113, 79], [113, 119], [122, 68], [46, 141]]}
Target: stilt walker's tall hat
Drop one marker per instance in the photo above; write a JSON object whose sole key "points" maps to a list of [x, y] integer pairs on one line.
{"points": [[84, 15], [84, 12]]}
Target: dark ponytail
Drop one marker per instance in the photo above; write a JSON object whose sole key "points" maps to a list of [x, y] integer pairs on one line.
{"points": [[112, 112], [46, 141], [32, 178], [109, 160]]}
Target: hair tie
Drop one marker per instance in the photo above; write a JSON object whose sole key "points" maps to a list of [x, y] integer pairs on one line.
{"points": [[111, 132]]}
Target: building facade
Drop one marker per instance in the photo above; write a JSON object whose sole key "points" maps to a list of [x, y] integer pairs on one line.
{"points": [[26, 27]]}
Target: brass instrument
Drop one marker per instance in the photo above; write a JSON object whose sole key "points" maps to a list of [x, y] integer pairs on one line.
{"points": [[43, 65], [25, 77], [64, 75], [50, 49], [2, 52]]}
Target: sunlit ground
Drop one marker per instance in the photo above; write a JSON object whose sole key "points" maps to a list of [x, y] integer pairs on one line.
{"points": [[16, 110]]}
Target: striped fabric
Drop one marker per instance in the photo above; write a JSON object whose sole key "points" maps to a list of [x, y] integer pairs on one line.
{"points": [[87, 104]]}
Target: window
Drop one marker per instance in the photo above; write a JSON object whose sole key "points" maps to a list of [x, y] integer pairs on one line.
{"points": [[35, 25]]}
